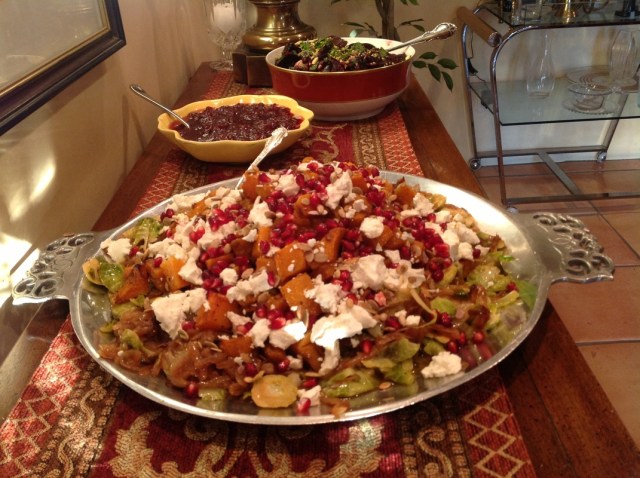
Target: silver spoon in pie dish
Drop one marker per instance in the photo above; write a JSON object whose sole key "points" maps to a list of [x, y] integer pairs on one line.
{"points": [[138, 90], [274, 140], [440, 32]]}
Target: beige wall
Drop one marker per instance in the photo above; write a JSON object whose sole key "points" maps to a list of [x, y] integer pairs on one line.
{"points": [[62, 164]]}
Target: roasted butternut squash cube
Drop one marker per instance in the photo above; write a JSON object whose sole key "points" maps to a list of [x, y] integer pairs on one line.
{"points": [[327, 249], [290, 261], [250, 185], [311, 353], [405, 193], [216, 317], [236, 346], [136, 282], [171, 270], [293, 292]]}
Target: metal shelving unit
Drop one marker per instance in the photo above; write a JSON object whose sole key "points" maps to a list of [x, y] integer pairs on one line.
{"points": [[517, 108]]}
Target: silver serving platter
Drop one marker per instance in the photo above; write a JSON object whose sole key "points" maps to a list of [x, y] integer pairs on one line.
{"points": [[548, 248]]}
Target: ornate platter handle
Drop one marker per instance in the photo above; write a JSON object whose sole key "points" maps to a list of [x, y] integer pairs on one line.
{"points": [[568, 249], [57, 269]]}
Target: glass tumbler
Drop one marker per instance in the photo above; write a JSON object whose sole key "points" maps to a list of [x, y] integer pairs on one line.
{"points": [[622, 60]]}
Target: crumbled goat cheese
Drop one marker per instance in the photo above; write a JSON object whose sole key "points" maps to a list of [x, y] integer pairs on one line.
{"points": [[465, 233], [253, 285], [288, 335], [236, 319], [422, 204], [168, 248], [372, 227], [288, 185], [214, 238], [443, 215], [465, 251], [452, 240], [349, 322], [117, 250], [404, 276], [229, 276], [191, 272], [259, 333], [182, 202], [443, 364], [251, 236], [340, 188], [259, 214], [326, 295], [370, 271], [171, 310]]}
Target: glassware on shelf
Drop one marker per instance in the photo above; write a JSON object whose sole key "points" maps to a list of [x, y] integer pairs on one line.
{"points": [[541, 74], [623, 60], [226, 23]]}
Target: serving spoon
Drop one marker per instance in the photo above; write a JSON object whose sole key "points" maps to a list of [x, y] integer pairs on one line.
{"points": [[274, 140], [138, 90], [440, 32]]}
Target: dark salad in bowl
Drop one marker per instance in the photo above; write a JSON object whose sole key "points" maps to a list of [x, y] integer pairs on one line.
{"points": [[333, 53]]}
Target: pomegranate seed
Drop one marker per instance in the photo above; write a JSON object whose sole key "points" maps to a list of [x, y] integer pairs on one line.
{"points": [[405, 252], [263, 178], [244, 328], [476, 253], [312, 166], [261, 312], [393, 322], [346, 285], [157, 261], [478, 337], [191, 390], [452, 346], [381, 300], [300, 180], [444, 319], [264, 247], [437, 275], [169, 213], [511, 287], [283, 366], [272, 280], [277, 323], [352, 235], [274, 314], [366, 346], [441, 250], [348, 245], [431, 217], [310, 382], [344, 275], [188, 325], [134, 250], [462, 339], [303, 406], [250, 369]]}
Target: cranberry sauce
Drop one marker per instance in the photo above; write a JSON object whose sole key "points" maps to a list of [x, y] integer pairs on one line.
{"points": [[240, 122]]}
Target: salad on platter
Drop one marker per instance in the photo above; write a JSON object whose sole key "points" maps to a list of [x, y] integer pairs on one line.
{"points": [[315, 284]]}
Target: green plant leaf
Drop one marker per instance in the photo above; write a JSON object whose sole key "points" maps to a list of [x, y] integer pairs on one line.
{"points": [[447, 63], [448, 80], [435, 71], [419, 64], [428, 55]]}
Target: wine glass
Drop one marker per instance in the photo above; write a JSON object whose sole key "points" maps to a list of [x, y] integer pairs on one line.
{"points": [[226, 22], [622, 60]]}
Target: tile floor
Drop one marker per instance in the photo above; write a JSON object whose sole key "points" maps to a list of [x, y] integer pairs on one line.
{"points": [[604, 317]]}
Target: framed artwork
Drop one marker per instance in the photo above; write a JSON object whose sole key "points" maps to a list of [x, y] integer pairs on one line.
{"points": [[47, 44]]}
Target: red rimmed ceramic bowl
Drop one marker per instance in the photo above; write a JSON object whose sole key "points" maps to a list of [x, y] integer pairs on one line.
{"points": [[344, 95]]}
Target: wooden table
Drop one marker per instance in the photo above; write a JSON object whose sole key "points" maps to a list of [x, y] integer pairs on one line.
{"points": [[567, 422]]}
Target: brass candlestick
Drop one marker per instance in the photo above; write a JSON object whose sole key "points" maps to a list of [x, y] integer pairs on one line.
{"points": [[277, 24]]}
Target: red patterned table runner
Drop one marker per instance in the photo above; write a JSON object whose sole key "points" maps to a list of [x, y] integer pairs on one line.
{"points": [[73, 419]]}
